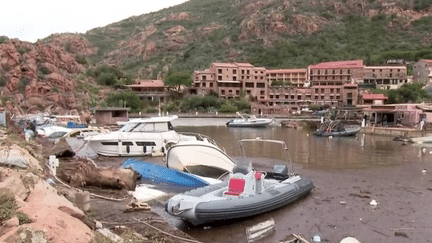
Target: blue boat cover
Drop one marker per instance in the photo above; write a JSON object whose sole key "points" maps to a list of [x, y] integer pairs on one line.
{"points": [[162, 174]]}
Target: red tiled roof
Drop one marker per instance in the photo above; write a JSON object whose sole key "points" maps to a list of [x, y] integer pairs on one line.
{"points": [[339, 64], [428, 61], [286, 70], [147, 84], [374, 97]]}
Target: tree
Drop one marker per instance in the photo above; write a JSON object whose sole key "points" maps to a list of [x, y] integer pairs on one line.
{"points": [[174, 80]]}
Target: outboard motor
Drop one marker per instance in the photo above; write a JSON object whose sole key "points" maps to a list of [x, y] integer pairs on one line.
{"points": [[281, 169], [280, 172]]}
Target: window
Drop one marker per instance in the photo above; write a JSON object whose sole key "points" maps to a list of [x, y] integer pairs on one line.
{"points": [[234, 78], [234, 71], [204, 78], [219, 71], [204, 85], [237, 92], [211, 85], [299, 97], [242, 71], [223, 92], [219, 77], [249, 85], [262, 92], [260, 85], [247, 72]]}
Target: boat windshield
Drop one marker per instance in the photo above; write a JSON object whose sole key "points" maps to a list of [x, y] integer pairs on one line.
{"points": [[146, 127], [128, 127]]}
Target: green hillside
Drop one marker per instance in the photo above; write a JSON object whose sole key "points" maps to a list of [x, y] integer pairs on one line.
{"points": [[269, 33]]}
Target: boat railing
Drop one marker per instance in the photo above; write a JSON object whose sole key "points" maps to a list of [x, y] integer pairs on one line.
{"points": [[285, 151]]}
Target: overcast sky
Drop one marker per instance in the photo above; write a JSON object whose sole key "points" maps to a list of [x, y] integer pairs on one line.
{"points": [[29, 20]]}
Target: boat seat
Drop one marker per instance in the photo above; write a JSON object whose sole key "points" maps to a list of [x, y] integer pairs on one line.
{"points": [[235, 186]]}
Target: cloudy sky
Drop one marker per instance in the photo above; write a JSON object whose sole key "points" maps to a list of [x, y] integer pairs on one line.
{"points": [[30, 20]]}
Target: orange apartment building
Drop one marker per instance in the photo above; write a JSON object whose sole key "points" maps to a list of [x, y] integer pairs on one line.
{"points": [[297, 77], [385, 77], [336, 83], [230, 79], [149, 89]]}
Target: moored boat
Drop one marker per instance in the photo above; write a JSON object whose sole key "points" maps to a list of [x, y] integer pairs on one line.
{"points": [[138, 137], [336, 129], [249, 121], [247, 193]]}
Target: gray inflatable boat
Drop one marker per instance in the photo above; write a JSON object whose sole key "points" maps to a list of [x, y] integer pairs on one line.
{"points": [[246, 193]]}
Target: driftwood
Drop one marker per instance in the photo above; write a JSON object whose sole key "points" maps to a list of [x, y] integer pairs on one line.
{"points": [[81, 174]]}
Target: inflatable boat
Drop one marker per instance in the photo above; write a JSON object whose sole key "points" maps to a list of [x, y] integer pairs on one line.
{"points": [[247, 192]]}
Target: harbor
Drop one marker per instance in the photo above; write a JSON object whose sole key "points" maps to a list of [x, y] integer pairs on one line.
{"points": [[348, 174]]}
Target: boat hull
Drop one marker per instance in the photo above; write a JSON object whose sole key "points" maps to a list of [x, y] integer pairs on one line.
{"points": [[199, 158], [348, 132], [131, 144], [243, 123], [211, 205], [161, 174]]}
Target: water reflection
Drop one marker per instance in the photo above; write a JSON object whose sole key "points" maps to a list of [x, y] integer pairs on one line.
{"points": [[363, 151]]}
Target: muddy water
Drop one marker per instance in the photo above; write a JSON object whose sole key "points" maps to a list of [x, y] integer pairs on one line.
{"points": [[347, 173]]}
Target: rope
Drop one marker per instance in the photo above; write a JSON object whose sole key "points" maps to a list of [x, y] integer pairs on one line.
{"points": [[177, 237]]}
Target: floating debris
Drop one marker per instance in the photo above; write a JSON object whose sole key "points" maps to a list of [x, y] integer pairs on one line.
{"points": [[259, 231], [373, 203]]}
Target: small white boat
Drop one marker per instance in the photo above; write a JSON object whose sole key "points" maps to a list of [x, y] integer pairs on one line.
{"points": [[247, 193], [249, 121], [201, 157], [138, 137], [421, 140]]}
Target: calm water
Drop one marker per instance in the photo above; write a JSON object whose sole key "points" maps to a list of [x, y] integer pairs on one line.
{"points": [[363, 151]]}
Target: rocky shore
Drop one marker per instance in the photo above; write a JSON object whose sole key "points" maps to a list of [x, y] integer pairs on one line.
{"points": [[37, 207]]}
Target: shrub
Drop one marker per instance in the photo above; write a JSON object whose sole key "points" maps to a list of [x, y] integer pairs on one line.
{"points": [[55, 89], [3, 39], [151, 110], [3, 81], [8, 209], [22, 84], [132, 100], [81, 59], [227, 108]]}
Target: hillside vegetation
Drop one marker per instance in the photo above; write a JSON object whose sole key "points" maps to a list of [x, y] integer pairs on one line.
{"points": [[269, 33]]}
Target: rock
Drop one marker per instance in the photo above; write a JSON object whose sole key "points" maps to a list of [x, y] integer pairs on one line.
{"points": [[9, 225]]}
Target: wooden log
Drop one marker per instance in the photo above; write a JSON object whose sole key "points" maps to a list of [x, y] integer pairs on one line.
{"points": [[82, 174]]}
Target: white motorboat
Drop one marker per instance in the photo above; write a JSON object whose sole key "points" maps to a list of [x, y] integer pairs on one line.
{"points": [[249, 121], [201, 157], [138, 137]]}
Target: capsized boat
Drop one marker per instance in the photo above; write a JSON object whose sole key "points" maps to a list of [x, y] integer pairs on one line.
{"points": [[138, 137], [247, 193], [161, 174], [336, 129], [249, 121], [203, 157]]}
